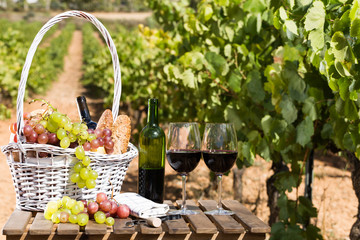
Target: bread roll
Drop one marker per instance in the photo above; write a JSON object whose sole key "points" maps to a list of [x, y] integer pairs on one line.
{"points": [[121, 132], [106, 120]]}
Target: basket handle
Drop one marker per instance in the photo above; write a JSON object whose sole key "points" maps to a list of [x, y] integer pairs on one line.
{"points": [[36, 42]]}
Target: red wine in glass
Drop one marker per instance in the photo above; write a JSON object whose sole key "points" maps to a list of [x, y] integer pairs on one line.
{"points": [[183, 160], [219, 161]]}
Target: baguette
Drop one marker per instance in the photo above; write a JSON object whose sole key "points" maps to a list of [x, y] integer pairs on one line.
{"points": [[106, 120], [121, 132]]}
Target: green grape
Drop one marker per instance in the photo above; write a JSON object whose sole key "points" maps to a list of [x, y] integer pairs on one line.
{"points": [[84, 127], [61, 133], [75, 209], [65, 142], [56, 117], [84, 173], [84, 135], [83, 219], [78, 166], [72, 137], [75, 177], [51, 126], [73, 218], [93, 174], [52, 207], [109, 221], [76, 130], [44, 123], [86, 161], [81, 183], [68, 126], [99, 217], [81, 205], [66, 210], [65, 200], [55, 218], [90, 183], [70, 204], [62, 121], [80, 152], [59, 203], [47, 215], [91, 137]]}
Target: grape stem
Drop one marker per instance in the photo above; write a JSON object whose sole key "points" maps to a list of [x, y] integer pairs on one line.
{"points": [[48, 105]]}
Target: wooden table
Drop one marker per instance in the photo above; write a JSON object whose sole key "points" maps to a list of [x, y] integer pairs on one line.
{"points": [[242, 225]]}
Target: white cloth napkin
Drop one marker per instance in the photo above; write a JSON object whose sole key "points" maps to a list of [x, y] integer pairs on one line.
{"points": [[142, 207]]}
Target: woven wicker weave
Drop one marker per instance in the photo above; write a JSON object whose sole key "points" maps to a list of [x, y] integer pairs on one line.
{"points": [[40, 180]]}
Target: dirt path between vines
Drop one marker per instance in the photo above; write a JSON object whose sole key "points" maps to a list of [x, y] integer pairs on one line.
{"points": [[332, 180]]}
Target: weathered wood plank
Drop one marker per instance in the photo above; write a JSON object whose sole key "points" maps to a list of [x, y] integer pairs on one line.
{"points": [[227, 224], [146, 229], [177, 226], [254, 236], [17, 223], [247, 218], [40, 225], [67, 229], [120, 228], [93, 228], [199, 222]]}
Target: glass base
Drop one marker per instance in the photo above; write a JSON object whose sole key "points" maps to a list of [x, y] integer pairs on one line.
{"points": [[183, 212], [219, 212]]}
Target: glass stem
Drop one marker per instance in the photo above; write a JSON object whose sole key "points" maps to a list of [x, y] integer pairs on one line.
{"points": [[219, 178], [183, 205]]}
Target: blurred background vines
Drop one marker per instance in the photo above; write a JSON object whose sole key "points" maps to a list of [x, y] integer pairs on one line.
{"points": [[286, 72]]}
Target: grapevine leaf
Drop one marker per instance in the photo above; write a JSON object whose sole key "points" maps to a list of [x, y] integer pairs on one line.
{"points": [[254, 6], [312, 232], [283, 14], [227, 50], [306, 208], [309, 108], [327, 131], [315, 18], [255, 87], [288, 110], [342, 23], [348, 142], [291, 26], [344, 84], [304, 131], [216, 64], [355, 28], [235, 81], [276, 21], [264, 150], [266, 122], [207, 12], [341, 48], [350, 110], [188, 79], [222, 3], [229, 32], [296, 86], [354, 9], [316, 38]]}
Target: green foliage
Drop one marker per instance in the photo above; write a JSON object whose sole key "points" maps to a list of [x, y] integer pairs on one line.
{"points": [[15, 40]]}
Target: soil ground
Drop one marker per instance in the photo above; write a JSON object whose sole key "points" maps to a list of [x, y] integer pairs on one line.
{"points": [[332, 189]]}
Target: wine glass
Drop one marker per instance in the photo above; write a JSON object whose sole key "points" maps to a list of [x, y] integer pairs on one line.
{"points": [[219, 149], [183, 154]]}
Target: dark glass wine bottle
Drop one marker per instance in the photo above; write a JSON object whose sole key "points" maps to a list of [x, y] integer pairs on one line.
{"points": [[84, 112], [152, 157]]}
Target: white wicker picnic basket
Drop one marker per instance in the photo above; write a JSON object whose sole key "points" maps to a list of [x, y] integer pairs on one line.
{"points": [[40, 180]]}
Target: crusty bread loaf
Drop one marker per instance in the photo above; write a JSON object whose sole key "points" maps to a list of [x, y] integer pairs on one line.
{"points": [[106, 120], [121, 132]]}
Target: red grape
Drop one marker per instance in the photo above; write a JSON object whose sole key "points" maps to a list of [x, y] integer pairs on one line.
{"points": [[106, 132], [84, 202], [107, 139], [43, 138], [64, 217], [87, 146], [114, 207], [109, 150], [92, 207], [13, 127], [107, 214], [98, 133], [94, 144], [109, 144], [105, 206], [123, 211], [33, 137], [100, 197], [101, 141], [53, 139], [27, 130], [90, 131], [39, 128]]}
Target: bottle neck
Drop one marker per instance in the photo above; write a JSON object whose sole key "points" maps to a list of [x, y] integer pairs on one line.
{"points": [[152, 117], [83, 109]]}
